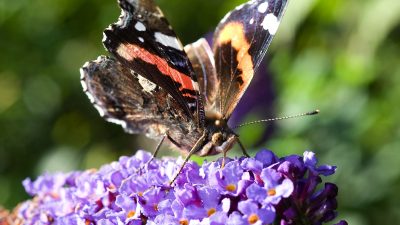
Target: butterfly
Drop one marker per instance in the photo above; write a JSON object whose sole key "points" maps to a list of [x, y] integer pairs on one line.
{"points": [[151, 84]]}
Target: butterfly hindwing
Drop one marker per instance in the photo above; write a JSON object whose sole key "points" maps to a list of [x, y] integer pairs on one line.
{"points": [[202, 59], [139, 105], [240, 42], [144, 41]]}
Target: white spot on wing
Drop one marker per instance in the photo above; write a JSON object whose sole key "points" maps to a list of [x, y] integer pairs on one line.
{"points": [[120, 21], [116, 121], [84, 86], [225, 17], [251, 21], [140, 26], [82, 72], [99, 109], [159, 12], [239, 7], [168, 41], [262, 8], [90, 96], [195, 85], [104, 38], [270, 23], [146, 84], [141, 39], [192, 105]]}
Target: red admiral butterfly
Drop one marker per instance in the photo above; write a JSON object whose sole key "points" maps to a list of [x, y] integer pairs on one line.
{"points": [[154, 85]]}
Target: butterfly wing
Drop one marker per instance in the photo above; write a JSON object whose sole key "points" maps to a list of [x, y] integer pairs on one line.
{"points": [[240, 43], [144, 41], [202, 59], [139, 105]]}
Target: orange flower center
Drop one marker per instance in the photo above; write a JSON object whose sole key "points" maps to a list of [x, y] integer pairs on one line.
{"points": [[253, 218], [271, 192], [55, 195], [211, 211], [131, 214], [184, 222], [155, 206], [111, 187], [230, 187]]}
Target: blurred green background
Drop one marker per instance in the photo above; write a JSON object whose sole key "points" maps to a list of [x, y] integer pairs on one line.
{"points": [[339, 56]]}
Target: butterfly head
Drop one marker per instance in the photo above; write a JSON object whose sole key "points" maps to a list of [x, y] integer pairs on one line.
{"points": [[220, 138]]}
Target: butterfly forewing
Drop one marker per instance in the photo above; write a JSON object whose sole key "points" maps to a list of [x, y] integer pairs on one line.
{"points": [[144, 41], [139, 105], [240, 42]]}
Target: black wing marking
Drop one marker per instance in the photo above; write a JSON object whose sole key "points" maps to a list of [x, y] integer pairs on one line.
{"points": [[144, 41], [240, 43], [137, 104]]}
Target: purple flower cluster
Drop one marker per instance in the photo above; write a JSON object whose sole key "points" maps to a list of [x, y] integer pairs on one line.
{"points": [[259, 190]]}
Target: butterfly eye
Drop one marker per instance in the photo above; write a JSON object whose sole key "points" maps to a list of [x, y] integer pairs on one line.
{"points": [[220, 123]]}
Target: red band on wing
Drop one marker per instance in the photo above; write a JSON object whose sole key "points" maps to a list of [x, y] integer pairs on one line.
{"points": [[131, 51]]}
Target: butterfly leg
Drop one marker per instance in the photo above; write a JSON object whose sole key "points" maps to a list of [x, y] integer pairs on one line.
{"points": [[223, 159], [194, 149], [242, 147], [158, 147], [154, 153]]}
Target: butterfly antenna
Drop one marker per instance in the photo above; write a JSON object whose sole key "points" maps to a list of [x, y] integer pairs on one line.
{"points": [[315, 112]]}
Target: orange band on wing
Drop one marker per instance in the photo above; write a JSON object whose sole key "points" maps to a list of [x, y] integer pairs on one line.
{"points": [[131, 52], [234, 33]]}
